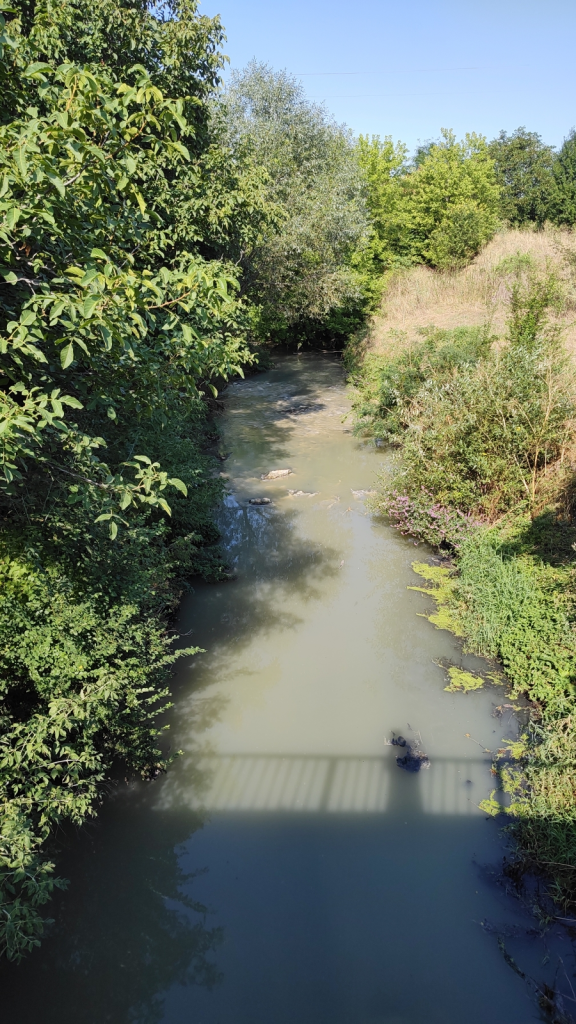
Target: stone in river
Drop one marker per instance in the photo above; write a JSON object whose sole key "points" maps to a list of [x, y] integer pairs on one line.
{"points": [[274, 474]]}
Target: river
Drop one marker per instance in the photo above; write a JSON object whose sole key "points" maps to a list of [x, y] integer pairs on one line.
{"points": [[285, 870]]}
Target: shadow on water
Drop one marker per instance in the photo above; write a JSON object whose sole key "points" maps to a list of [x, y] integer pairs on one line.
{"points": [[314, 895], [270, 417], [128, 928]]}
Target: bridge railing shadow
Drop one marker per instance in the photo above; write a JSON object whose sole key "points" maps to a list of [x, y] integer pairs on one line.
{"points": [[330, 784]]}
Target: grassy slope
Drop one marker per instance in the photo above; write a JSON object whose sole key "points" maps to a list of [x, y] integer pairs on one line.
{"points": [[421, 297]]}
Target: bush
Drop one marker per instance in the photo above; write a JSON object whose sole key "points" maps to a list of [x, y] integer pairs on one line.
{"points": [[459, 236], [387, 386], [481, 429], [420, 515]]}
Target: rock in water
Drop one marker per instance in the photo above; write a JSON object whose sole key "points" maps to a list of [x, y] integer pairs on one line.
{"points": [[260, 501], [274, 474]]}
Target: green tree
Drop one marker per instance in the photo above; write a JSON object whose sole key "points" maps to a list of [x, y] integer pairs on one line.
{"points": [[440, 209], [450, 202], [564, 167], [298, 268], [524, 167], [383, 163], [119, 311]]}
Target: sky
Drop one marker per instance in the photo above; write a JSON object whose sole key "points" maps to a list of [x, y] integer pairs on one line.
{"points": [[408, 68]]}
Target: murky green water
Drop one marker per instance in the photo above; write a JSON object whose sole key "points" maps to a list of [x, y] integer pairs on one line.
{"points": [[286, 871]]}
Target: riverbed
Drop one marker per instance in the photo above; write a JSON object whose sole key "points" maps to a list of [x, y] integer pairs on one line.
{"points": [[286, 870]]}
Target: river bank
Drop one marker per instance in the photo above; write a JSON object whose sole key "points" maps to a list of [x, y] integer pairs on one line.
{"points": [[482, 426]]}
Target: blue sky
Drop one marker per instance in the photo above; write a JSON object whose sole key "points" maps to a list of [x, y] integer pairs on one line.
{"points": [[408, 68]]}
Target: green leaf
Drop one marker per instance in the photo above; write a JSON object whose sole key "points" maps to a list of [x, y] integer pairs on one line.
{"points": [[181, 149], [113, 530], [34, 70], [10, 277], [58, 183], [67, 355], [27, 318], [90, 303], [20, 161], [98, 254], [57, 308], [179, 485], [12, 217]]}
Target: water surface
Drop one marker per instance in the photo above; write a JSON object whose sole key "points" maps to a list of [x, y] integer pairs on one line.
{"points": [[286, 871]]}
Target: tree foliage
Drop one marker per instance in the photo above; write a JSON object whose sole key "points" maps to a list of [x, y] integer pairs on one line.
{"points": [[564, 197], [119, 311], [524, 166], [299, 267], [439, 210]]}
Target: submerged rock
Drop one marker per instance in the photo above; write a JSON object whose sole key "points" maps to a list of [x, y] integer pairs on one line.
{"points": [[302, 494], [274, 474], [260, 501]]}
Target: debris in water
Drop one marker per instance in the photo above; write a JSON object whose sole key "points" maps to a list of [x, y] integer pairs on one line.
{"points": [[302, 494], [414, 759]]}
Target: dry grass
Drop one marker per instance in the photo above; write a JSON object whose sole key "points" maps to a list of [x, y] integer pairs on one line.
{"points": [[422, 297]]}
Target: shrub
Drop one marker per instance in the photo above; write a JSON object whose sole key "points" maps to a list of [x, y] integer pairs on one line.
{"points": [[419, 515], [459, 236], [480, 439], [386, 386], [451, 201]]}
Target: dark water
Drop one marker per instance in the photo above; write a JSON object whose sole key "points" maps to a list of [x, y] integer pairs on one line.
{"points": [[286, 871]]}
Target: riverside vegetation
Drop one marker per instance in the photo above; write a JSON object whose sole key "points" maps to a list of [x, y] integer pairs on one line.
{"points": [[157, 234], [484, 434]]}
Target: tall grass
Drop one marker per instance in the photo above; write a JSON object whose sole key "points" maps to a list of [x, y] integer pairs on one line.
{"points": [[477, 295]]}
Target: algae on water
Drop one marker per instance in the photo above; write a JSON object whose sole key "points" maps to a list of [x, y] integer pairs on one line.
{"points": [[462, 681], [442, 592]]}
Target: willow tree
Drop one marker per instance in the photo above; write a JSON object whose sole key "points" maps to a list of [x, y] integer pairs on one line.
{"points": [[299, 266]]}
